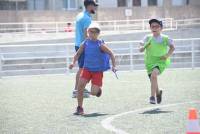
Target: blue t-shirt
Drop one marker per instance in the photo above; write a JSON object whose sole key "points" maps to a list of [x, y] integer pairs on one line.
{"points": [[83, 20]]}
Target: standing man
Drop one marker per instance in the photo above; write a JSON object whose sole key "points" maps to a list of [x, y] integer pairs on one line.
{"points": [[83, 20]]}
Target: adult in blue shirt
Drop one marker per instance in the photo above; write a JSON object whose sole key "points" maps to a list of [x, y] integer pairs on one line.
{"points": [[83, 20]]}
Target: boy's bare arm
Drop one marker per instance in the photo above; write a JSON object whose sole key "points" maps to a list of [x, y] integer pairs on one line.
{"points": [[170, 52], [76, 56], [105, 49]]}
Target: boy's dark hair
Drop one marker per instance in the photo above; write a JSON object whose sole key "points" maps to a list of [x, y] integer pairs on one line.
{"points": [[156, 21], [89, 2]]}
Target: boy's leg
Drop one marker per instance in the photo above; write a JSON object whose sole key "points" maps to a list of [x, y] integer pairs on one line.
{"points": [[77, 78], [84, 79], [157, 91], [96, 90], [159, 97], [80, 64], [154, 82], [81, 85], [86, 93], [96, 83]]}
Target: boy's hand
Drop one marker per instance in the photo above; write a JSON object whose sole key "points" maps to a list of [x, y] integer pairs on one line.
{"points": [[147, 45], [71, 66], [141, 48], [115, 72], [114, 69], [164, 57]]}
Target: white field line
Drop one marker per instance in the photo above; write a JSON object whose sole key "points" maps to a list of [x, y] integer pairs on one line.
{"points": [[106, 123]]}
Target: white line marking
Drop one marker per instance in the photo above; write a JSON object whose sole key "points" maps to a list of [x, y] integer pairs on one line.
{"points": [[106, 123]]}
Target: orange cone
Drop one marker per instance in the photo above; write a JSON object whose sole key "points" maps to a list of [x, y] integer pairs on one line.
{"points": [[193, 126]]}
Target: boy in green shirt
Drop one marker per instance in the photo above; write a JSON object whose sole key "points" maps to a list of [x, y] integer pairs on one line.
{"points": [[158, 48]]}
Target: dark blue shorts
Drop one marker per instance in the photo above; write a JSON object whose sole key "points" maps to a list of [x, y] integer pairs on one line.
{"points": [[81, 58]]}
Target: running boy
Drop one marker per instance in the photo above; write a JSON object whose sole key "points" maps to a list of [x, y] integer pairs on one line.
{"points": [[95, 62], [158, 48]]}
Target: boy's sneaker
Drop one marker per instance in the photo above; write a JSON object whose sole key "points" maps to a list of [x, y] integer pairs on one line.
{"points": [[159, 97], [99, 93], [79, 111], [86, 94], [74, 94], [152, 100]]}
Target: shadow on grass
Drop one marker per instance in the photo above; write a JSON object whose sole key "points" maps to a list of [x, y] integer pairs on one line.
{"points": [[156, 111], [94, 115]]}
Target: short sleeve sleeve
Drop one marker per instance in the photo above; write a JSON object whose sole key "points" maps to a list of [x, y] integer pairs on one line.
{"points": [[144, 40], [170, 41], [101, 42], [84, 42]]}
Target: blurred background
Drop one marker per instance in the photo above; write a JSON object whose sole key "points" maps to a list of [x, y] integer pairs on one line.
{"points": [[37, 36], [65, 10], [37, 41]]}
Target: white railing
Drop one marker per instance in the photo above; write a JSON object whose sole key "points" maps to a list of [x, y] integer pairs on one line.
{"points": [[55, 58], [106, 26], [139, 24], [0, 65], [58, 27], [33, 27], [184, 23]]}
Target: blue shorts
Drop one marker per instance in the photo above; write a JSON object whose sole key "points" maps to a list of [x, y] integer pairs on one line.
{"points": [[81, 58]]}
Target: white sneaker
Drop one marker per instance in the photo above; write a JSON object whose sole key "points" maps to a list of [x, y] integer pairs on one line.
{"points": [[86, 94], [74, 94]]}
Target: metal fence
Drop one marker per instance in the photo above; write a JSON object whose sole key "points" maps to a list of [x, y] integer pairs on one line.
{"points": [[55, 58], [106, 26], [58, 27]]}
